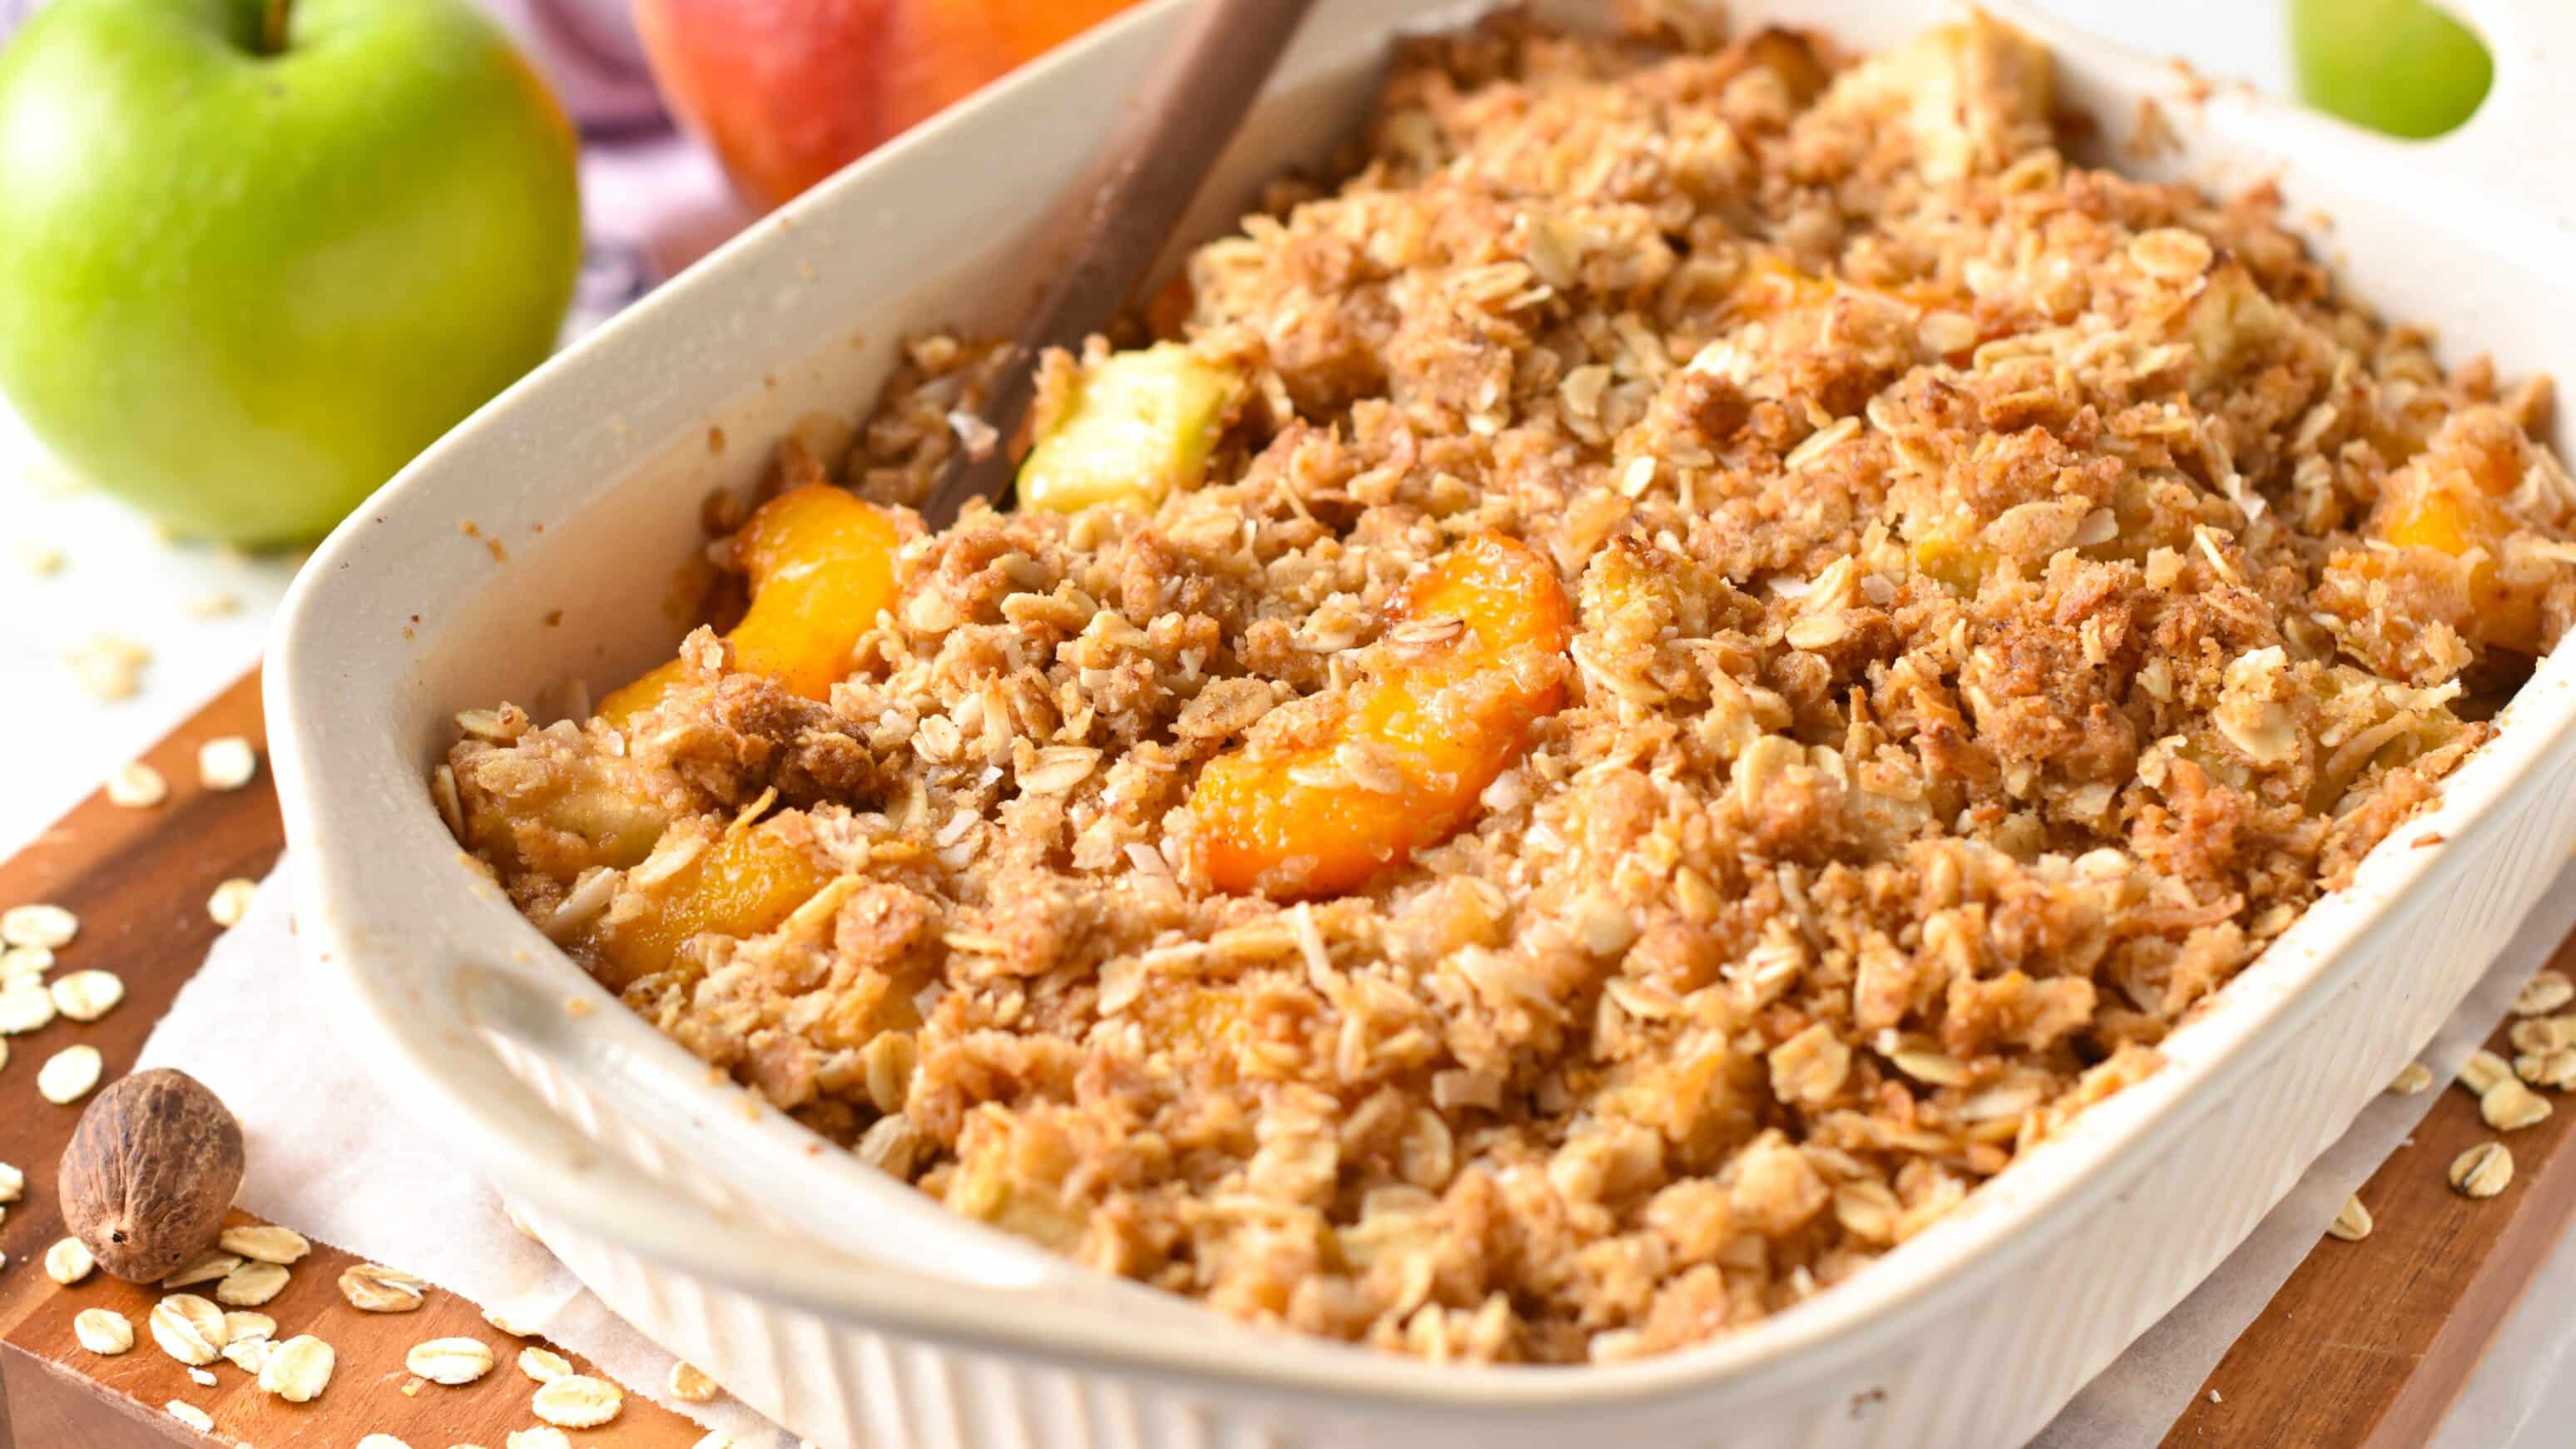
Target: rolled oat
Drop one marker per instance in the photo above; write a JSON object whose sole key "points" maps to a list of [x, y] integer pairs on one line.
{"points": [[2483, 1170], [87, 995], [69, 1074], [25, 1006], [265, 1243], [2482, 1071], [450, 1361], [298, 1370], [226, 763], [206, 1267], [251, 1285], [68, 1261], [375, 1288], [103, 1331], [690, 1385], [2509, 1106], [231, 901], [48, 927], [577, 1401], [137, 786], [188, 1328], [2545, 992]]}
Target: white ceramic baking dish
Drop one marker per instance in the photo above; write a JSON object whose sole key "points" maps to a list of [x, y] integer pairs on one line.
{"points": [[856, 1311]]}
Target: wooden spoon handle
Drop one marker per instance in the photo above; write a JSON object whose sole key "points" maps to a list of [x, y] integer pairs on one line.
{"points": [[1190, 108]]}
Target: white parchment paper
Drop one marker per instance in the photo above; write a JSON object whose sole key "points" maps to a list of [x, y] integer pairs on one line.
{"points": [[332, 1156]]}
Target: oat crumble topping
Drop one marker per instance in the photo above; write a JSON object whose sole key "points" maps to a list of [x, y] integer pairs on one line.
{"points": [[2002, 596]]}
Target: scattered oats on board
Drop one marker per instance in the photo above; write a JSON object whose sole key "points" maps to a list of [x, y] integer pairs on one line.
{"points": [[538, 1439], [137, 787], [251, 1285], [2509, 1106], [41, 924], [206, 1267], [577, 1401], [25, 1005], [108, 667], [18, 961], [265, 1243], [250, 1355], [69, 1261], [226, 763], [450, 1361], [188, 1328], [2352, 1224], [247, 1328], [2544, 993], [68, 1075], [103, 1332], [544, 1364], [202, 1378], [231, 901], [2483, 1170], [2411, 1079], [690, 1384], [87, 995], [192, 1416], [13, 1183], [375, 1288], [299, 1369], [713, 1441]]}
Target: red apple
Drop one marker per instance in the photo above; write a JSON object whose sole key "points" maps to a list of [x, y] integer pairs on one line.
{"points": [[787, 91]]}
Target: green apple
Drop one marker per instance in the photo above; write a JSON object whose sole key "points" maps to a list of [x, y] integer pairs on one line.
{"points": [[254, 256], [2399, 66]]}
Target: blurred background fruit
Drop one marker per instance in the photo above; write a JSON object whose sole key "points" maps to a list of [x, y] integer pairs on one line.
{"points": [[2399, 66], [787, 91], [250, 263]]}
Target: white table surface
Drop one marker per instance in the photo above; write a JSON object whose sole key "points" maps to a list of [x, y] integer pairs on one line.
{"points": [[119, 576]]}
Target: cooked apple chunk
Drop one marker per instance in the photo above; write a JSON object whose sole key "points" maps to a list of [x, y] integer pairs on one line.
{"points": [[1135, 427]]}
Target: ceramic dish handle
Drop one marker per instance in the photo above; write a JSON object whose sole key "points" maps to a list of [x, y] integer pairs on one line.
{"points": [[2520, 147], [609, 1113]]}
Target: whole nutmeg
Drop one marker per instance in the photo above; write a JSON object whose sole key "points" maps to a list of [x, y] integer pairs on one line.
{"points": [[151, 1171]]}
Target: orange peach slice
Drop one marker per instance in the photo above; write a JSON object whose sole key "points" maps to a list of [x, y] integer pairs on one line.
{"points": [[742, 885], [1335, 789], [821, 566], [2453, 498]]}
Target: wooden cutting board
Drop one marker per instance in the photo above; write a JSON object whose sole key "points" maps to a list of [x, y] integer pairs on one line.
{"points": [[138, 880], [2364, 1348]]}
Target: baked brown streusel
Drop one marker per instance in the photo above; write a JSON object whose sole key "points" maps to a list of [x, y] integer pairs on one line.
{"points": [[2003, 596]]}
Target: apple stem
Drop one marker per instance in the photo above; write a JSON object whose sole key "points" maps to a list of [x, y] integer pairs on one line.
{"points": [[272, 28]]}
